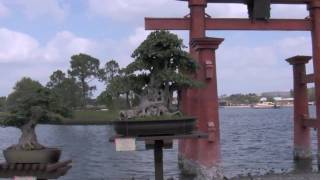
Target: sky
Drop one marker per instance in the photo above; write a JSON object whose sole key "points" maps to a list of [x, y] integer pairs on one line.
{"points": [[38, 37]]}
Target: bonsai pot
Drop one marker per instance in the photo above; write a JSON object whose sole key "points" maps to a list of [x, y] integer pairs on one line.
{"points": [[43, 156], [138, 127]]}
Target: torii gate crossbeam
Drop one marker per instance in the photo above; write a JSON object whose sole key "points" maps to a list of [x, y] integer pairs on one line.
{"points": [[230, 24]]}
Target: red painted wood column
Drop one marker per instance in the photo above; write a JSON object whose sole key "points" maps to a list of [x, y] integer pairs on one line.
{"points": [[314, 8], [302, 139], [208, 153], [198, 20], [197, 30], [189, 103]]}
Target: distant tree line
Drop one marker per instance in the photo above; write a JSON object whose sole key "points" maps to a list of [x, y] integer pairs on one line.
{"points": [[2, 104], [71, 89], [250, 98], [75, 87]]}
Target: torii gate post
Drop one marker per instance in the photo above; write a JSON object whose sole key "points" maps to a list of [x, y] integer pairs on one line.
{"points": [[207, 154], [201, 103]]}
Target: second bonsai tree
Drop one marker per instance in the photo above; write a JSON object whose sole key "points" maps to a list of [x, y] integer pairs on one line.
{"points": [[29, 104]]}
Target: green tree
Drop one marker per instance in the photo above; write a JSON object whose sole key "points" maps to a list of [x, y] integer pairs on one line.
{"points": [[66, 88], [29, 104], [56, 78], [110, 70], [126, 84], [250, 98], [106, 99], [3, 103], [270, 99], [84, 68], [169, 67]]}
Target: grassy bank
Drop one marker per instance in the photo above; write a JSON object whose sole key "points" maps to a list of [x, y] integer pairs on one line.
{"points": [[90, 117], [2, 115], [84, 117]]}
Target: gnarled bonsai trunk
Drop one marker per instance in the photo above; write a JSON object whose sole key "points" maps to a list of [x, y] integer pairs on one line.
{"points": [[28, 139]]}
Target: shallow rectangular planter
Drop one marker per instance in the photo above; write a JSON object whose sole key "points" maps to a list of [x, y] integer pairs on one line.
{"points": [[155, 127], [43, 156]]}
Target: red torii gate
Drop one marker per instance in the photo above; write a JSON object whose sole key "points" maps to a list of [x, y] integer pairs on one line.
{"points": [[203, 103]]}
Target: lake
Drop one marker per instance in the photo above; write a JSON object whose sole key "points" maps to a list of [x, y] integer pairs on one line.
{"points": [[255, 141]]}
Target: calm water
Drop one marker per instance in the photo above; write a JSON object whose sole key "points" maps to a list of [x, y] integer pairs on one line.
{"points": [[253, 141]]}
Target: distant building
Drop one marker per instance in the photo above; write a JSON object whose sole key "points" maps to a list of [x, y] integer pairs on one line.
{"points": [[284, 101], [263, 99], [277, 99], [224, 103]]}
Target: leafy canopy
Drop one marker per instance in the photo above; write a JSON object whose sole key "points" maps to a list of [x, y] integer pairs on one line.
{"points": [[3, 103], [84, 68], [31, 101], [162, 55], [110, 70], [66, 88]]}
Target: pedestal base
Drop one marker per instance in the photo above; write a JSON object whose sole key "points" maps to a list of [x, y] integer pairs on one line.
{"points": [[192, 168], [302, 153]]}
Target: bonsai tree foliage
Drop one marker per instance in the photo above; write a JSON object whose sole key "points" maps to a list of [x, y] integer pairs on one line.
{"points": [[164, 67], [29, 104]]}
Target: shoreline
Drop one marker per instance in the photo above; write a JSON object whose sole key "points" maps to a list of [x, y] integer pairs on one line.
{"points": [[287, 176]]}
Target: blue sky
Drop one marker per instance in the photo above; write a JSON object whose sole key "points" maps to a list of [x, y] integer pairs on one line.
{"points": [[39, 36]]}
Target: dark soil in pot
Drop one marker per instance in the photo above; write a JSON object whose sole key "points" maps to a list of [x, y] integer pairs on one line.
{"points": [[43, 156]]}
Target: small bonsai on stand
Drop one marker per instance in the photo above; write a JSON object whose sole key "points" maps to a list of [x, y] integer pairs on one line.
{"points": [[29, 104]]}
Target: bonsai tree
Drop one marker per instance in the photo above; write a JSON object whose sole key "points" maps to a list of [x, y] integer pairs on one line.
{"points": [[168, 68], [29, 104]]}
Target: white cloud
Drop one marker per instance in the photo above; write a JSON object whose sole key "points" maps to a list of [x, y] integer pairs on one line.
{"points": [[139, 35], [121, 49], [227, 10], [22, 55], [65, 44], [16, 46], [289, 11], [245, 68], [33, 9], [135, 10], [292, 46], [4, 11], [128, 10], [20, 47]]}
